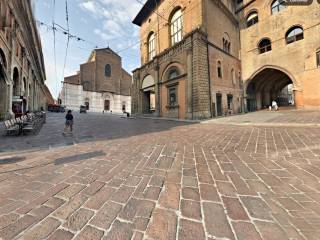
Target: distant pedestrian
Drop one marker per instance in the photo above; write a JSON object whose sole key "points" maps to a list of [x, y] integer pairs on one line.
{"points": [[69, 122], [274, 105]]}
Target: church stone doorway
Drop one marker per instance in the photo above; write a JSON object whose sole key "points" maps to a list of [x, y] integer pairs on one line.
{"points": [[107, 105]]}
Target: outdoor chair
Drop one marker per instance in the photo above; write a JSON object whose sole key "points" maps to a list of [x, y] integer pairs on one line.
{"points": [[11, 128], [28, 128]]}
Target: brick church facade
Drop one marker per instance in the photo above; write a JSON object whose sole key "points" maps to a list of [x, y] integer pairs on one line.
{"points": [[207, 58], [100, 85]]}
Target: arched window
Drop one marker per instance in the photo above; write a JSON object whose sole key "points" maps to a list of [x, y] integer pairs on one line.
{"points": [[226, 44], [107, 70], [252, 19], [277, 6], [176, 28], [318, 58], [151, 46], [173, 73], [219, 69], [265, 46], [233, 76], [294, 34]]}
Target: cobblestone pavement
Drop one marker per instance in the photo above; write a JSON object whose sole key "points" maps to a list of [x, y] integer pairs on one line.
{"points": [[281, 117], [152, 179]]}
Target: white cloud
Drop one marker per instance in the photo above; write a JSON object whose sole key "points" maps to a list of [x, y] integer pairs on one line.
{"points": [[115, 19]]}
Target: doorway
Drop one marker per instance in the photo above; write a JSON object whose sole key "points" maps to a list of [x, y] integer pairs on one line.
{"points": [[219, 104], [107, 105]]}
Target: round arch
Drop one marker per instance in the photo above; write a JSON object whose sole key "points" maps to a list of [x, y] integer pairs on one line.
{"points": [[255, 73], [173, 65], [267, 84], [147, 82], [3, 59]]}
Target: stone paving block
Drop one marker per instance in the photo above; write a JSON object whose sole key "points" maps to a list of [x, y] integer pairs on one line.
{"points": [[41, 212], [71, 206], [51, 192], [61, 234], [17, 227], [6, 220], [137, 208], [137, 236], [190, 193], [190, 209], [77, 220], [89, 232], [141, 223], [226, 189], [70, 191], [245, 231], [209, 193], [240, 185], [122, 194], [270, 179], [189, 181], [217, 226], [43, 230], [97, 200], [93, 188], [216, 172], [163, 225], [270, 231], [120, 230], [256, 207], [190, 230], [174, 177], [170, 196], [132, 181], [190, 172], [235, 209], [205, 178], [152, 193], [54, 203], [164, 162], [156, 181], [290, 204], [106, 215]]}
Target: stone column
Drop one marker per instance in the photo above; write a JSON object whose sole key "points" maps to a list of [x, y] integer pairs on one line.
{"points": [[10, 93], [157, 89], [298, 98]]}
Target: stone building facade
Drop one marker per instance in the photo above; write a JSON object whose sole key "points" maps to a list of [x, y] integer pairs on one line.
{"points": [[203, 58], [280, 45], [22, 70], [101, 84]]}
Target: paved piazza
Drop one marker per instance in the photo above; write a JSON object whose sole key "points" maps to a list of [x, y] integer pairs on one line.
{"points": [[137, 179]]}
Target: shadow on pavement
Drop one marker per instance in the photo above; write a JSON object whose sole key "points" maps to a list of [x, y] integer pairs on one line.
{"points": [[78, 157], [87, 128], [11, 160]]}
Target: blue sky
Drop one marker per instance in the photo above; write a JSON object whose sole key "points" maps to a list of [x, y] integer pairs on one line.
{"points": [[101, 22]]}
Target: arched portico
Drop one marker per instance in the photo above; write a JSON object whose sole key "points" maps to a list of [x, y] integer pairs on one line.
{"points": [[148, 94], [4, 88], [271, 83]]}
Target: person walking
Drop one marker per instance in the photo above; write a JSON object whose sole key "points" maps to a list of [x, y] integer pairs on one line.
{"points": [[69, 123]]}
